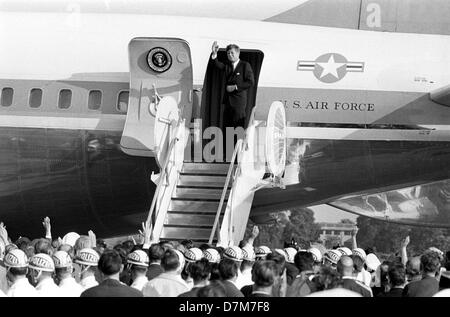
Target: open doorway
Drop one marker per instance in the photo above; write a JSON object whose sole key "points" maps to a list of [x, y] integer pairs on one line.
{"points": [[212, 109]]}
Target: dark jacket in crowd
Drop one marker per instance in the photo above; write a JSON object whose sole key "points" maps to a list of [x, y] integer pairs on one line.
{"points": [[426, 287], [154, 270], [356, 286], [231, 290], [111, 288]]}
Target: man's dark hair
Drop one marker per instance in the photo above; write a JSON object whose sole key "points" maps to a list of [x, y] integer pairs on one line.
{"points": [[199, 270], [430, 262], [110, 262], [187, 243], [264, 273], [43, 246], [215, 289], [304, 261], [128, 245], [397, 274], [233, 46], [18, 271], [122, 252], [155, 252], [327, 279], [22, 243], [279, 260], [215, 273], [228, 269], [170, 260]]}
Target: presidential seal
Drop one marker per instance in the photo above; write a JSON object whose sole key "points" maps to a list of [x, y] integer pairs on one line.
{"points": [[159, 59]]}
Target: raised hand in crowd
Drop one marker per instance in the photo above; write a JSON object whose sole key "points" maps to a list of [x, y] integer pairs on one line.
{"points": [[47, 227], [93, 238]]}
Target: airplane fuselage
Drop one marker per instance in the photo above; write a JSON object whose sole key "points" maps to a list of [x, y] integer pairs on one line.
{"points": [[62, 158]]}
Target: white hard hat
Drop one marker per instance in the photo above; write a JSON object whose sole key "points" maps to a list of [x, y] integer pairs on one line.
{"points": [[262, 251], [345, 251], [233, 253], [333, 256], [290, 252], [317, 255], [42, 262], [372, 262], [281, 252], [62, 259], [212, 255], [361, 253], [248, 254], [70, 238], [16, 258], [138, 257], [193, 254], [87, 256]]}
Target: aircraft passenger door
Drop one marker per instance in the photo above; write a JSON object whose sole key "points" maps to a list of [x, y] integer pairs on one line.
{"points": [[161, 84]]}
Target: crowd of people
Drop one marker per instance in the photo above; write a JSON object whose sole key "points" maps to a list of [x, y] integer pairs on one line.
{"points": [[81, 265]]}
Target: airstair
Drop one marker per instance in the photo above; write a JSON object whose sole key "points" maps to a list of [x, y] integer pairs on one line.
{"points": [[197, 200]]}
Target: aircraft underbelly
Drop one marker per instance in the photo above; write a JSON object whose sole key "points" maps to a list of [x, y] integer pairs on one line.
{"points": [[79, 178]]}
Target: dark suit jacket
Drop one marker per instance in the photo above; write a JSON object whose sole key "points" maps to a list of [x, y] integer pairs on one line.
{"points": [[394, 292], [243, 78], [111, 288], [153, 271], [259, 295], [231, 290], [426, 287]]}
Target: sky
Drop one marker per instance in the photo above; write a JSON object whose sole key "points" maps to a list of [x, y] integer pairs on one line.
{"points": [[325, 213]]}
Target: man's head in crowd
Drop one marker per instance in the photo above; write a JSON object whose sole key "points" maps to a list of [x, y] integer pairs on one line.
{"points": [[110, 263], [430, 263], [264, 275], [173, 261], [43, 246], [200, 271], [304, 261], [155, 253], [41, 267], [228, 269], [413, 268], [82, 242], [328, 278], [358, 263], [345, 266], [397, 275]]}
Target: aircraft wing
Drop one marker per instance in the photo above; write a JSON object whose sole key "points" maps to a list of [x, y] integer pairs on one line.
{"points": [[441, 96], [426, 205]]}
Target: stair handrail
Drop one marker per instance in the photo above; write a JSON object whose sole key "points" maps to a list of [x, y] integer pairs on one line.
{"points": [[237, 149], [162, 176]]}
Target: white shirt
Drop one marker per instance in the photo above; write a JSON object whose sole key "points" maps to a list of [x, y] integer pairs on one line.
{"points": [[364, 277], [235, 64], [88, 282], [70, 288], [244, 279], [166, 284], [48, 288], [22, 288], [140, 282]]}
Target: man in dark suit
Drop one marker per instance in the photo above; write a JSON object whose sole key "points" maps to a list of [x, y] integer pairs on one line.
{"points": [[228, 273], [155, 254], [397, 280], [239, 78], [265, 275], [110, 264]]}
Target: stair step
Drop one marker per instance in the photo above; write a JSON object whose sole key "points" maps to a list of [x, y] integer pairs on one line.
{"points": [[193, 206], [202, 181], [206, 168], [199, 193], [180, 233], [183, 219]]}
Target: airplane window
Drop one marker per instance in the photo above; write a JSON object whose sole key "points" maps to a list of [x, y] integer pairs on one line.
{"points": [[122, 101], [7, 97], [95, 99], [35, 98], [65, 99]]}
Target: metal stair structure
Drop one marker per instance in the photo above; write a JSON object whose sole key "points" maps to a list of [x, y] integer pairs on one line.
{"points": [[195, 200]]}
